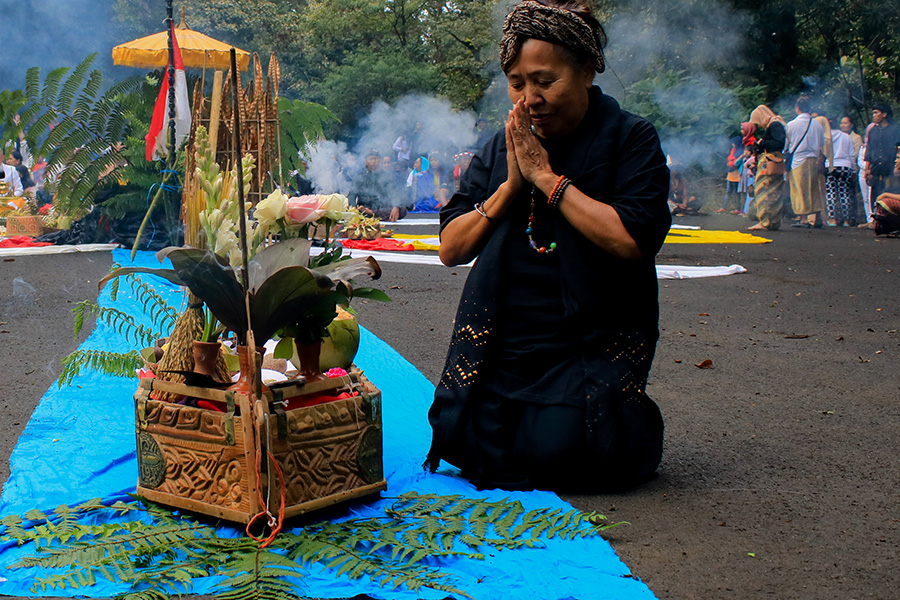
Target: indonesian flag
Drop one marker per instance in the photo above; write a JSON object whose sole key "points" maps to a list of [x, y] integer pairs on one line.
{"points": [[156, 138]]}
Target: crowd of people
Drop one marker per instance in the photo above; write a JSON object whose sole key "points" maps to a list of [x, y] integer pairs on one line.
{"points": [[22, 174], [815, 169]]}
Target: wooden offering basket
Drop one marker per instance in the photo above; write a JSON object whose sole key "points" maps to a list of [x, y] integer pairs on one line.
{"points": [[215, 463]]}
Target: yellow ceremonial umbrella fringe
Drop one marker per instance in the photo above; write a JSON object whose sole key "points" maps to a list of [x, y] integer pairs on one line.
{"points": [[199, 51], [676, 236]]}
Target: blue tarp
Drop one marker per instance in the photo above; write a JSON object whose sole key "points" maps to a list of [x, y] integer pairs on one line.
{"points": [[79, 445]]}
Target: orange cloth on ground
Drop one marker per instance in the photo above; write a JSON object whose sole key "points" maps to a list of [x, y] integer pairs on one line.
{"points": [[378, 244]]}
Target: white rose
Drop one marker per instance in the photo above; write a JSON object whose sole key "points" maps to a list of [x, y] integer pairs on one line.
{"points": [[334, 203], [271, 209]]}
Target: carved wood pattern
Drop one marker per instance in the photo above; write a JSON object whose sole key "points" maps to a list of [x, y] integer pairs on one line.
{"points": [[321, 457]]}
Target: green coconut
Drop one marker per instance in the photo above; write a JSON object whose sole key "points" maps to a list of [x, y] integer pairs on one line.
{"points": [[340, 346]]}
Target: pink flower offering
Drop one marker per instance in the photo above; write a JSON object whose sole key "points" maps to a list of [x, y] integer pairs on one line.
{"points": [[336, 372], [304, 209], [145, 374]]}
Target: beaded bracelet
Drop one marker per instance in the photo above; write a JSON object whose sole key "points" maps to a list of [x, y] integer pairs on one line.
{"points": [[558, 191], [479, 208]]}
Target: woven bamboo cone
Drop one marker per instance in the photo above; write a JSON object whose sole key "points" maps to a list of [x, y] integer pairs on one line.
{"points": [[180, 355]]}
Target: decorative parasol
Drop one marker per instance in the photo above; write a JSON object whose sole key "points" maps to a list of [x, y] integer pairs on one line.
{"points": [[198, 51]]}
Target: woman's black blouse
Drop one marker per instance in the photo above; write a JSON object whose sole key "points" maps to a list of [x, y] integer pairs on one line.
{"points": [[554, 328]]}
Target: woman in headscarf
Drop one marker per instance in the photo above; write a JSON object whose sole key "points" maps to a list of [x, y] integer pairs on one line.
{"points": [[420, 184], [770, 170], [565, 210]]}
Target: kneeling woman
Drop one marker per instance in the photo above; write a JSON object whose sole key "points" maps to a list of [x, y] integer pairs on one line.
{"points": [[544, 385]]}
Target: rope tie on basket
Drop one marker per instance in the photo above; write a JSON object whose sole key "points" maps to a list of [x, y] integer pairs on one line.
{"points": [[275, 524]]}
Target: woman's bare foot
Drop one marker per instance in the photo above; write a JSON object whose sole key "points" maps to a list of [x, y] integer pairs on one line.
{"points": [[758, 227]]}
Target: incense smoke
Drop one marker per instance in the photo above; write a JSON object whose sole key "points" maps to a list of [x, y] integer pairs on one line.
{"points": [[51, 33], [431, 124]]}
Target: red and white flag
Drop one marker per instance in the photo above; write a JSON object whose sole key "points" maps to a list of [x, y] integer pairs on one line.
{"points": [[157, 137]]}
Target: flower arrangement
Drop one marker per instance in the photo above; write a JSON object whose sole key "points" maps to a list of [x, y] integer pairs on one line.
{"points": [[296, 217], [288, 294], [362, 226]]}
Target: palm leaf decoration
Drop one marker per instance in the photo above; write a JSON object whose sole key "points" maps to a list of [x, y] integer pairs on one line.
{"points": [[159, 554]]}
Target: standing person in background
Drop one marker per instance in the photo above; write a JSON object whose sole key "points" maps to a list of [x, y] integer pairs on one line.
{"points": [[733, 178], [841, 211], [881, 151], [483, 133], [849, 127], [825, 160], [401, 147], [748, 175], [864, 190], [769, 153], [748, 168], [806, 140]]}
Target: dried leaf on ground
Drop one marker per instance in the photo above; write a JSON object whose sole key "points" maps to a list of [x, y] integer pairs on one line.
{"points": [[706, 364]]}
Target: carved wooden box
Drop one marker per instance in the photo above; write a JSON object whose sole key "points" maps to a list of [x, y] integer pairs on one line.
{"points": [[209, 462]]}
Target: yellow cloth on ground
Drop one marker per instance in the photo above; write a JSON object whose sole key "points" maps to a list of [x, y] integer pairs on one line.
{"points": [[420, 242], [675, 236], [697, 236]]}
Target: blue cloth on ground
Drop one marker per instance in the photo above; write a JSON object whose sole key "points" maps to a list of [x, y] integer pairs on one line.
{"points": [[426, 205], [79, 444]]}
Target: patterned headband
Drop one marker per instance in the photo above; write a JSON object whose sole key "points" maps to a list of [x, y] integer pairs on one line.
{"points": [[550, 24]]}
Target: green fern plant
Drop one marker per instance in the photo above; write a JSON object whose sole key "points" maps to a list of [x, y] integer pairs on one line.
{"points": [[78, 129], [159, 554], [301, 123], [162, 317]]}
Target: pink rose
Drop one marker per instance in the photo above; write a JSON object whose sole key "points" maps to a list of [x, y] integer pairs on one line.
{"points": [[336, 372], [304, 209]]}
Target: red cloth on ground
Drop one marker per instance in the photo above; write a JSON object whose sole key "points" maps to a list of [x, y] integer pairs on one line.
{"points": [[22, 241], [378, 244]]}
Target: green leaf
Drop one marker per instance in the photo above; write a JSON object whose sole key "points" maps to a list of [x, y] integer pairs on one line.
{"points": [[271, 259], [371, 294], [284, 348]]}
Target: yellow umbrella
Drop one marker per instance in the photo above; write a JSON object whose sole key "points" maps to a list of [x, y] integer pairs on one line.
{"points": [[197, 50]]}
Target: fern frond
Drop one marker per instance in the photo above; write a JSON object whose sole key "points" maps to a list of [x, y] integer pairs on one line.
{"points": [[161, 313], [108, 363], [88, 96], [51, 85], [33, 83], [124, 323], [73, 84], [163, 555]]}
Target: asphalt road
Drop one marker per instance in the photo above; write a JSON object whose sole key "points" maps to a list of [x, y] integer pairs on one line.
{"points": [[780, 476]]}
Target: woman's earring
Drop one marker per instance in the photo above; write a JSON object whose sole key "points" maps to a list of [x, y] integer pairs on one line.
{"points": [[534, 130]]}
